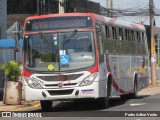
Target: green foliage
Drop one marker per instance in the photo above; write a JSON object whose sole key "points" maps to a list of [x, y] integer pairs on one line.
{"points": [[12, 70]]}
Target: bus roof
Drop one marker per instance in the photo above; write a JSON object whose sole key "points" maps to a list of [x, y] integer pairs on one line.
{"points": [[98, 18], [120, 23], [58, 15]]}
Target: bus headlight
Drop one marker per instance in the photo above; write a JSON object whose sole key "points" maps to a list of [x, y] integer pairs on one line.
{"points": [[89, 80], [32, 83]]}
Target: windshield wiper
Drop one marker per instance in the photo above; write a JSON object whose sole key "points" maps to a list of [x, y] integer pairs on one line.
{"points": [[45, 39], [69, 38]]}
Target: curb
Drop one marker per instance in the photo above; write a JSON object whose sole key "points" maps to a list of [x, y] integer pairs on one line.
{"points": [[27, 106], [152, 86], [150, 90], [24, 106]]}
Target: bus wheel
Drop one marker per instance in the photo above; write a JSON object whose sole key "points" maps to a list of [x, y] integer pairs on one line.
{"points": [[135, 91], [103, 102], [46, 104]]}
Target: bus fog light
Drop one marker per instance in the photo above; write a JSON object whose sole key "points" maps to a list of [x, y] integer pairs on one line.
{"points": [[32, 83], [89, 80]]}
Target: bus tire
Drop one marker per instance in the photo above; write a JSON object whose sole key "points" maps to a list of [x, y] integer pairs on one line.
{"points": [[135, 91], [131, 95], [103, 102], [46, 104]]}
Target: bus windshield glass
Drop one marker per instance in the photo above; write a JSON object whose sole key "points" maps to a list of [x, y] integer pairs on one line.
{"points": [[59, 51], [55, 23]]}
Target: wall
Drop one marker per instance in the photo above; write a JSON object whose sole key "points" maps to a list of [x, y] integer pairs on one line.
{"points": [[3, 19]]}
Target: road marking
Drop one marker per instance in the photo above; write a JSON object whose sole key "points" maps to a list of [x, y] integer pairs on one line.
{"points": [[137, 104], [27, 108]]}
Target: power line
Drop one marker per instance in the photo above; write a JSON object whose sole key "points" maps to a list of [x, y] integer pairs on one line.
{"points": [[135, 8]]}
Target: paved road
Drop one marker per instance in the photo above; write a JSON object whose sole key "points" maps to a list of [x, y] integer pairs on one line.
{"points": [[118, 108], [148, 101]]}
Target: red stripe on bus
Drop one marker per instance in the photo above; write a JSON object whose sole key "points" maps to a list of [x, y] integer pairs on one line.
{"points": [[116, 87], [26, 73]]}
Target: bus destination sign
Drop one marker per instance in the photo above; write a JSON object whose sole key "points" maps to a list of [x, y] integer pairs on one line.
{"points": [[58, 23]]}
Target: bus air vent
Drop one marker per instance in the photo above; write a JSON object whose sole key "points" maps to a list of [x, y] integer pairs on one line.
{"points": [[60, 92]]}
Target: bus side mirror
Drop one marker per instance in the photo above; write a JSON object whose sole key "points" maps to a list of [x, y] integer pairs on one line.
{"points": [[98, 27]]}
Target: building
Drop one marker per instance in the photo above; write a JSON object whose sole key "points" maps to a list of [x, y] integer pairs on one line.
{"points": [[3, 19]]}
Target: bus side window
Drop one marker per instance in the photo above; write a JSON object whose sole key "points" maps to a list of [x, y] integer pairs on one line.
{"points": [[104, 39], [110, 33], [138, 36], [119, 42], [114, 33], [107, 31], [143, 37], [143, 43], [99, 40], [104, 31], [124, 47], [120, 34], [134, 43], [122, 39], [139, 43]]}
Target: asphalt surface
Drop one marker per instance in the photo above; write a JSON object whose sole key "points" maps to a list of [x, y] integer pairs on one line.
{"points": [[25, 106], [147, 100]]}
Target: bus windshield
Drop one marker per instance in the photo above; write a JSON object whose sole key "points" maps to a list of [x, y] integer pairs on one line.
{"points": [[59, 51]]}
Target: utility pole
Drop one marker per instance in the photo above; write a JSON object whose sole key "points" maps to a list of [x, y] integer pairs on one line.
{"points": [[111, 7], [61, 6], [158, 49], [153, 52], [107, 8]]}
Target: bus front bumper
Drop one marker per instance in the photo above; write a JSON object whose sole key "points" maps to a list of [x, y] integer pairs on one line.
{"points": [[91, 91]]}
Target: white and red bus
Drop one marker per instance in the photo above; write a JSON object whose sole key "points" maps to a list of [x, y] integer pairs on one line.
{"points": [[76, 56]]}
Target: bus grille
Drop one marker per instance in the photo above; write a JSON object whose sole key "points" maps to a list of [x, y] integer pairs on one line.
{"points": [[60, 92], [56, 85], [60, 77]]}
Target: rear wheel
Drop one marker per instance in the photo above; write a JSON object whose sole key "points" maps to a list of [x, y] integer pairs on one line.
{"points": [[135, 91], [131, 95], [46, 104]]}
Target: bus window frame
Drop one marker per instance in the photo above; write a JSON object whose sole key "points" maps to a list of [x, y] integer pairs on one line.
{"points": [[99, 34]]}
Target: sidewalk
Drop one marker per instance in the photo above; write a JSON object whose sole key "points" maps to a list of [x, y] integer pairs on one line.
{"points": [[151, 90], [24, 106]]}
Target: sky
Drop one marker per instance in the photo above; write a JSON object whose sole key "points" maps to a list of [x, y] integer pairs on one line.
{"points": [[133, 4]]}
